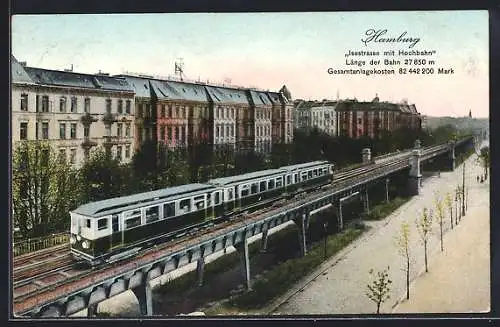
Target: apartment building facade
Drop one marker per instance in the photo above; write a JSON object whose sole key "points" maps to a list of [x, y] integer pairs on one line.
{"points": [[74, 112]]}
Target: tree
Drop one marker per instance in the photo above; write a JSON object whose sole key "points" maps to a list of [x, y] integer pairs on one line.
{"points": [[403, 245], [103, 177], [424, 227], [44, 189], [449, 203], [379, 288], [439, 204], [484, 159]]}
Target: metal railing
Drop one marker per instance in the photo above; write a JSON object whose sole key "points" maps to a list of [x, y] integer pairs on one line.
{"points": [[39, 243]]}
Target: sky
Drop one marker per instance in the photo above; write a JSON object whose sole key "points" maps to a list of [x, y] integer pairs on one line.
{"points": [[268, 50]]}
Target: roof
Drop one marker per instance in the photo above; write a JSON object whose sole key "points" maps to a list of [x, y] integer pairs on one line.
{"points": [[274, 97], [243, 177], [226, 95], [72, 79], [139, 85], [19, 75], [305, 165], [355, 105], [179, 91], [100, 208], [259, 98]]}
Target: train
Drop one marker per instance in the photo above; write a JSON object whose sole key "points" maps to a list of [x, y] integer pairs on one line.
{"points": [[109, 230]]}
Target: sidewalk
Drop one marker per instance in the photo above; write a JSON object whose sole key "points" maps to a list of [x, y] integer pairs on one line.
{"points": [[459, 278]]}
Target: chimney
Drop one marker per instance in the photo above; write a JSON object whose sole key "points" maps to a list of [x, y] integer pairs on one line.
{"points": [[22, 63]]}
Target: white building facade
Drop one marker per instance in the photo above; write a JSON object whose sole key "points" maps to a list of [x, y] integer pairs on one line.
{"points": [[74, 112]]}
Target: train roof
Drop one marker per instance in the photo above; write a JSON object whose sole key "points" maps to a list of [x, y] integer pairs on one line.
{"points": [[244, 177], [306, 165], [100, 208]]}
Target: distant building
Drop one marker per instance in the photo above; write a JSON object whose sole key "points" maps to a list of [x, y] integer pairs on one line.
{"points": [[319, 114], [356, 119], [75, 112]]}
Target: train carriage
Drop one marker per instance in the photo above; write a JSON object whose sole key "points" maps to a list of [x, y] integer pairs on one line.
{"points": [[304, 175], [250, 189], [108, 226]]}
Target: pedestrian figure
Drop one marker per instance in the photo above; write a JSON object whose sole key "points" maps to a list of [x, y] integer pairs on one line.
{"points": [[477, 178]]}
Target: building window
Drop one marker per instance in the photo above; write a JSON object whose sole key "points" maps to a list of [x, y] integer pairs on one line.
{"points": [[23, 131], [45, 131], [183, 131], [218, 131], [139, 134], [73, 131], [62, 131], [183, 112], [74, 103], [86, 105], [62, 155], [72, 158], [177, 133], [359, 120], [108, 106], [120, 106], [24, 102], [176, 111], [163, 111], [227, 130], [127, 151], [232, 130], [86, 131], [127, 107], [169, 133], [162, 133], [169, 111], [127, 130], [119, 128], [62, 104], [119, 152], [45, 103]]}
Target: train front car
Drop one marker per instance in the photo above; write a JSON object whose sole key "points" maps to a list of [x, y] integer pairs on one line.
{"points": [[110, 229]]}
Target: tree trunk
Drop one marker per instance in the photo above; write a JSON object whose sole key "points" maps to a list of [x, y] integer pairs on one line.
{"points": [[425, 256], [441, 231], [451, 217], [378, 307], [407, 278]]}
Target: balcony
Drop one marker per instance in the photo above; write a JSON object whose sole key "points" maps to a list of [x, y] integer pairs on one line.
{"points": [[87, 119], [87, 144], [109, 118]]}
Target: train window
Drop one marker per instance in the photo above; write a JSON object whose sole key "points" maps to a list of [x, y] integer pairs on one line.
{"points": [[216, 198], [303, 176], [87, 223], [295, 178], [320, 172], [263, 186], [132, 222], [199, 202], [115, 223], [169, 210], [185, 206], [152, 214], [270, 184], [309, 174], [229, 194], [279, 182], [255, 188], [325, 170], [315, 173], [244, 190], [288, 179], [102, 224]]}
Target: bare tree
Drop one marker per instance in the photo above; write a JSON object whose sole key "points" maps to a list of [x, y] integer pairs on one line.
{"points": [[403, 245], [424, 226], [379, 288], [439, 204], [449, 203]]}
